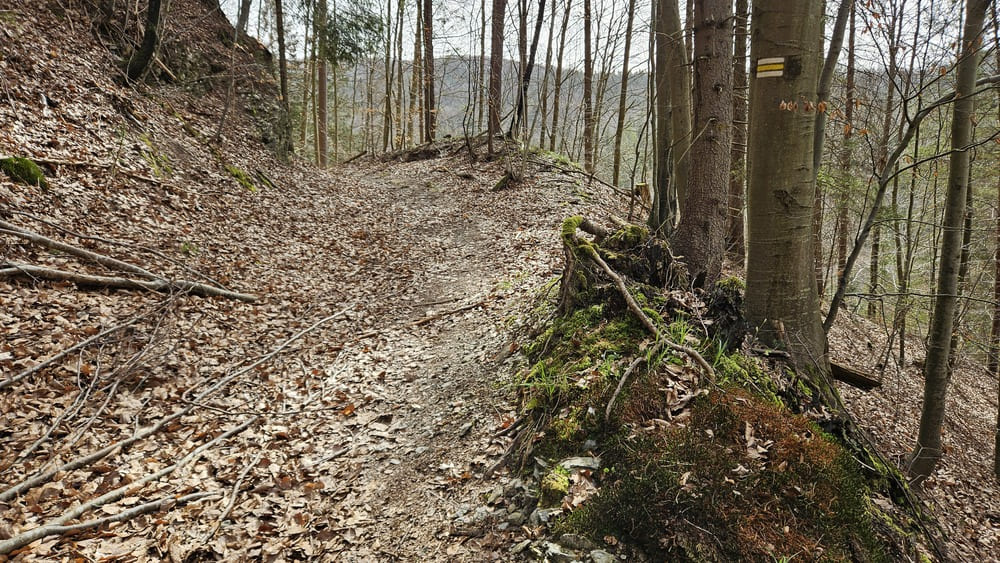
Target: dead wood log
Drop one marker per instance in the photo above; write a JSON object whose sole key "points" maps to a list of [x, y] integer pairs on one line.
{"points": [[853, 377], [12, 269]]}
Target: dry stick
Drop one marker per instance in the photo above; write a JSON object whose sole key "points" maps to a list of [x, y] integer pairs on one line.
{"points": [[621, 382], [83, 344], [159, 284], [125, 244], [89, 459], [643, 318], [114, 264], [21, 540], [232, 496], [164, 503]]}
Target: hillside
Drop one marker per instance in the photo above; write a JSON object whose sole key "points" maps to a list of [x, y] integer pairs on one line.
{"points": [[359, 402]]}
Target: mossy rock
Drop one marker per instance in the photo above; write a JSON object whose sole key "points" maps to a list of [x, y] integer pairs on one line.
{"points": [[555, 486], [24, 171]]}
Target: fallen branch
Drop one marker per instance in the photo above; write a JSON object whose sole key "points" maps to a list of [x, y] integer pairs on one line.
{"points": [[159, 285], [54, 527], [435, 316], [89, 459], [232, 496], [643, 318], [126, 244], [78, 346], [51, 244], [621, 382]]}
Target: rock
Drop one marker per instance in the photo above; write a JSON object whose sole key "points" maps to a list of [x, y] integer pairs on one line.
{"points": [[543, 515], [592, 463], [521, 546], [554, 486], [601, 556], [558, 554], [516, 518], [576, 541], [494, 495]]}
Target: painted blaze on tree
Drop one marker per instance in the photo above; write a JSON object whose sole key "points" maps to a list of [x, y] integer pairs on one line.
{"points": [[781, 297]]}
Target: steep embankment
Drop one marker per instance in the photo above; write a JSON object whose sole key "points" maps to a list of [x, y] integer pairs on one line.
{"points": [[363, 437]]}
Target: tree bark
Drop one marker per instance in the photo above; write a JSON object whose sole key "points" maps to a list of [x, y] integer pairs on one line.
{"points": [[846, 160], [430, 114], [150, 38], [735, 243], [701, 233], [819, 135], [928, 450], [781, 299], [321, 98], [496, 70], [522, 94], [588, 94], [623, 94], [557, 88], [662, 210], [243, 18], [279, 17], [679, 90]]}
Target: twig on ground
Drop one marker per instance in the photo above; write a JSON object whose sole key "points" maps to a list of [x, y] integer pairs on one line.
{"points": [[53, 527], [232, 496], [631, 367], [45, 476], [78, 346]]}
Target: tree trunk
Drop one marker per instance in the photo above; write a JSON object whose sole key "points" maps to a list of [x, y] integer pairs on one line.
{"points": [[701, 234], [929, 444], [243, 18], [526, 76], [279, 17], [480, 97], [150, 38], [781, 299], [321, 101], [662, 210], [389, 76], [845, 153], [819, 135], [496, 70], [679, 88], [735, 244], [588, 91], [559, 76], [622, 95], [430, 115]]}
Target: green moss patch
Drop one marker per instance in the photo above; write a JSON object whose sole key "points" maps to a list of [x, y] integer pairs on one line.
{"points": [[24, 171], [242, 177]]}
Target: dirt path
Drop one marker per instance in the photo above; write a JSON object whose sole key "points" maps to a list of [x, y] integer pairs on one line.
{"points": [[367, 437]]}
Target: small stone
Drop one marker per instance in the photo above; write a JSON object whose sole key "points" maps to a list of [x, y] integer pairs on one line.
{"points": [[558, 554], [521, 546], [516, 518], [592, 463], [576, 541], [601, 556], [495, 495], [543, 515]]}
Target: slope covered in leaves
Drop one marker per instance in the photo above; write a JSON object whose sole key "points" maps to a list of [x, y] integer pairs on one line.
{"points": [[345, 413]]}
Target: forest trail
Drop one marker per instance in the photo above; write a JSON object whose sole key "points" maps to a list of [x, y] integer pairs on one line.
{"points": [[368, 436]]}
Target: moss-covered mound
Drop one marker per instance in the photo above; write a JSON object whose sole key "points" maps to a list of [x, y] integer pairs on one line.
{"points": [[692, 469], [23, 170]]}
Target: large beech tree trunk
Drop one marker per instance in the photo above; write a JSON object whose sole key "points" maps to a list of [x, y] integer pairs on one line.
{"points": [[781, 299], [928, 448], [701, 234]]}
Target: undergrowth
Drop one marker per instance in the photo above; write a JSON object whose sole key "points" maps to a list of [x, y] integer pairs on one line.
{"points": [[694, 470]]}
